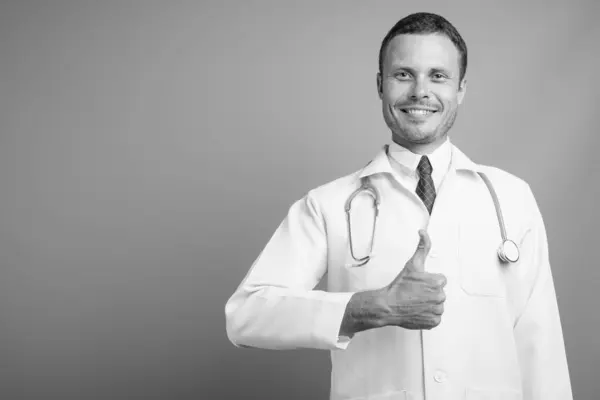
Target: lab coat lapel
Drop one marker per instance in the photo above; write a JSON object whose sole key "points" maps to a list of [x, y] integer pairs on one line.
{"points": [[445, 222], [443, 226]]}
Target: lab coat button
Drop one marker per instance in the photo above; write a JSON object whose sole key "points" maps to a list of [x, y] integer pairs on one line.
{"points": [[440, 377]]}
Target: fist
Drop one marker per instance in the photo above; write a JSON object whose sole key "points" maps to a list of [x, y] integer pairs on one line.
{"points": [[415, 298]]}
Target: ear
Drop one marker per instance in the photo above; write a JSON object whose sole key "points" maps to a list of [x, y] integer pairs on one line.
{"points": [[379, 85], [462, 89]]}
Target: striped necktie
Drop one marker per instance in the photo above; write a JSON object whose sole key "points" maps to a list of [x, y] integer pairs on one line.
{"points": [[425, 189]]}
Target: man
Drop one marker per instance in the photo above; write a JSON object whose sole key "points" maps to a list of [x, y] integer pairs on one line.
{"points": [[434, 313]]}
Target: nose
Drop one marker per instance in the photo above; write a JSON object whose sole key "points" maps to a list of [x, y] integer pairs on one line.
{"points": [[420, 90]]}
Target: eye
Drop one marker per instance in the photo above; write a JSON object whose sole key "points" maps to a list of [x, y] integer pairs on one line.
{"points": [[438, 76], [402, 75]]}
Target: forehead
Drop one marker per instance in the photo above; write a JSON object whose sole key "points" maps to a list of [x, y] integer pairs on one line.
{"points": [[422, 52]]}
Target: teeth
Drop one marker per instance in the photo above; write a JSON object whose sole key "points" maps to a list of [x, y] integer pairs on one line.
{"points": [[418, 112]]}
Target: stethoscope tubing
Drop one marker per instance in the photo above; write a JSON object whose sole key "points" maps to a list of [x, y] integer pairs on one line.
{"points": [[508, 251]]}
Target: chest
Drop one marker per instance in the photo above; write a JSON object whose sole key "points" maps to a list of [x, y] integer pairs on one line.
{"points": [[463, 227]]}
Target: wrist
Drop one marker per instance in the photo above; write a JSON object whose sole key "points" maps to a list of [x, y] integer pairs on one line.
{"points": [[365, 310]]}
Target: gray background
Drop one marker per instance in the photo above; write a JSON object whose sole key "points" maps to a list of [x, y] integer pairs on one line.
{"points": [[148, 150]]}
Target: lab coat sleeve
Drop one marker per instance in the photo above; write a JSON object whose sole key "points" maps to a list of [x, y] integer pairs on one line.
{"points": [[276, 306], [538, 331]]}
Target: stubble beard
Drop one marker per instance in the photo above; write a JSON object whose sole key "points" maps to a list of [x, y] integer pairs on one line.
{"points": [[414, 134]]}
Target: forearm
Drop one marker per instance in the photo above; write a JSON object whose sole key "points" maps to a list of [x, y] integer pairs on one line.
{"points": [[284, 318], [364, 311]]}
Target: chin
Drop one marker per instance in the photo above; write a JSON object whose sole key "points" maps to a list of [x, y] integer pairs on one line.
{"points": [[418, 136]]}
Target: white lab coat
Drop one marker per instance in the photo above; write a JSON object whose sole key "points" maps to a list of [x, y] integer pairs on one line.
{"points": [[500, 337]]}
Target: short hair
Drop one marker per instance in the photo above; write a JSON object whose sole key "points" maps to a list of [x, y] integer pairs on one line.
{"points": [[424, 23]]}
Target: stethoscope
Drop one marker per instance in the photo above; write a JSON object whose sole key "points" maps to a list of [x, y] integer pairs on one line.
{"points": [[508, 252]]}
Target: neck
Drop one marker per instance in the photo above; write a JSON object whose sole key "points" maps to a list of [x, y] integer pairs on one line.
{"points": [[419, 148]]}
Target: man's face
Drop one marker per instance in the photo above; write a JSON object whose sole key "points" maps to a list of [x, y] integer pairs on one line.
{"points": [[420, 89]]}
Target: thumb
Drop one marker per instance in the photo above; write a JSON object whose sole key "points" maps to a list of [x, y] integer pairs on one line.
{"points": [[417, 261]]}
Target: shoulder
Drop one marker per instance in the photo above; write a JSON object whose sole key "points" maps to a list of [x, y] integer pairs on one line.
{"points": [[329, 198], [335, 192], [498, 177], [504, 179], [514, 193]]}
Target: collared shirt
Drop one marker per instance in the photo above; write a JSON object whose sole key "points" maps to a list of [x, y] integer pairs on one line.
{"points": [[404, 163], [500, 335]]}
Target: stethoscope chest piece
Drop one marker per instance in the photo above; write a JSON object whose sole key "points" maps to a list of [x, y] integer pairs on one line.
{"points": [[508, 251]]}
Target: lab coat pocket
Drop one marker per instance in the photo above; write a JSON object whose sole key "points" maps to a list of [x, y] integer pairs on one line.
{"points": [[490, 394], [481, 272]]}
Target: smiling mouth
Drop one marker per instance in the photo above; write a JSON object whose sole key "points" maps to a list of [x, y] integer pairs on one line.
{"points": [[418, 111]]}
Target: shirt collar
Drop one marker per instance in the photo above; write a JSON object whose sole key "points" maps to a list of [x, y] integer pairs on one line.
{"points": [[440, 158], [381, 164]]}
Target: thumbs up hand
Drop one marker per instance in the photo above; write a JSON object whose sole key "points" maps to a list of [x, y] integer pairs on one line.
{"points": [[415, 298], [417, 261]]}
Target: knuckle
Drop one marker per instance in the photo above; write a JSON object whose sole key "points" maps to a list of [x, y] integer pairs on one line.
{"points": [[415, 276], [436, 310], [441, 297], [442, 281], [439, 280], [408, 273]]}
